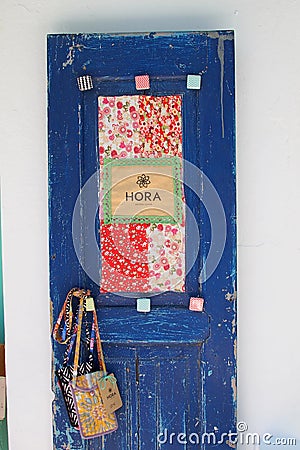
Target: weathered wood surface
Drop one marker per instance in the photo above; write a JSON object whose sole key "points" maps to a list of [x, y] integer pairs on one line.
{"points": [[123, 325], [209, 394]]}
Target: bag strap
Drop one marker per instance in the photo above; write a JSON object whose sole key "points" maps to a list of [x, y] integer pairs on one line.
{"points": [[101, 360], [70, 345], [71, 342], [83, 295], [63, 336], [77, 348]]}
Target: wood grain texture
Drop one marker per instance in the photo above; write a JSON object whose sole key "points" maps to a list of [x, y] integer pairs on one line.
{"points": [[123, 325], [199, 361]]}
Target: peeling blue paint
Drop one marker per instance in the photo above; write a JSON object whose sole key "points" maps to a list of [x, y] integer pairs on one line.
{"points": [[189, 375]]}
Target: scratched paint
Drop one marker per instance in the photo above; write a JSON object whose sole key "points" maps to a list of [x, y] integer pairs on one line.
{"points": [[173, 371], [221, 39], [71, 55]]}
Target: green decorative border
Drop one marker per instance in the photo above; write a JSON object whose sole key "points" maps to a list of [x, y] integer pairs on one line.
{"points": [[174, 161]]}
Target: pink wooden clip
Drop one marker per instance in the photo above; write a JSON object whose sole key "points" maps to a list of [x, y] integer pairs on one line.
{"points": [[196, 304], [142, 82]]}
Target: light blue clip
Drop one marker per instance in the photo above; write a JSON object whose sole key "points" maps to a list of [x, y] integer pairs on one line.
{"points": [[143, 305], [193, 82]]}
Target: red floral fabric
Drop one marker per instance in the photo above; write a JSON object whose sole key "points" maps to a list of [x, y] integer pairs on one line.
{"points": [[124, 249], [160, 126]]}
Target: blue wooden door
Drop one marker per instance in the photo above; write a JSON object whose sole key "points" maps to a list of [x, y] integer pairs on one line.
{"points": [[176, 368]]}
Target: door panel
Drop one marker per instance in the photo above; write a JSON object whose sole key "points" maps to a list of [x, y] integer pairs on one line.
{"points": [[123, 364], [169, 395]]}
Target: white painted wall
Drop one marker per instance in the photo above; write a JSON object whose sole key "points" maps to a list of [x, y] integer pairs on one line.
{"points": [[267, 48]]}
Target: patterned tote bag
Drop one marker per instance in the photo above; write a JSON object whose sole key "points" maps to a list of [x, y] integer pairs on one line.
{"points": [[68, 317], [93, 419]]}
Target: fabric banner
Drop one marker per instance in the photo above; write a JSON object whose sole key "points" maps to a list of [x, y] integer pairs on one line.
{"points": [[142, 206]]}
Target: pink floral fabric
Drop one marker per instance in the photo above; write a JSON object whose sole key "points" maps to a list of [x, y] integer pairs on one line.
{"points": [[166, 257], [141, 257], [119, 129], [139, 126]]}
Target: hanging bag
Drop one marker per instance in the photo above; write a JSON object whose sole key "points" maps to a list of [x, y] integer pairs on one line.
{"points": [[68, 321], [93, 418]]}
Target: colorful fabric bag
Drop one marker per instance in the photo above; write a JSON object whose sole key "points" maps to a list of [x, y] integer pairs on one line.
{"points": [[68, 318], [93, 419]]}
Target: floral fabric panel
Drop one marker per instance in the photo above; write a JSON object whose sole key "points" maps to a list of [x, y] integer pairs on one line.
{"points": [[160, 126], [124, 250], [141, 257], [119, 127], [139, 126], [166, 257]]}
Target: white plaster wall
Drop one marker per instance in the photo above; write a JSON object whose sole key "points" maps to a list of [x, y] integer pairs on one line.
{"points": [[268, 109]]}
